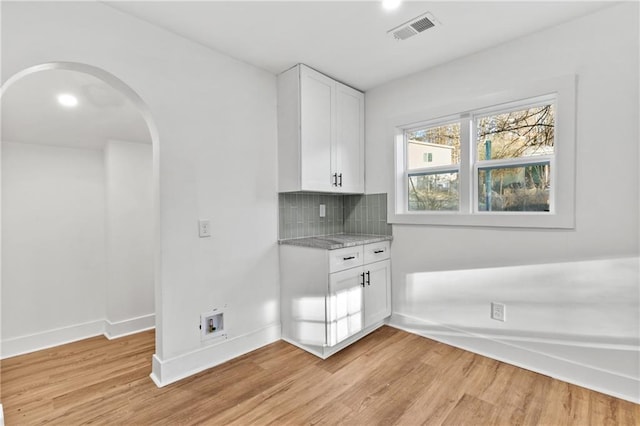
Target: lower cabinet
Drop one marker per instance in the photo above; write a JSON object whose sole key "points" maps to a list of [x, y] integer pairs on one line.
{"points": [[358, 298], [344, 305], [331, 298], [377, 292]]}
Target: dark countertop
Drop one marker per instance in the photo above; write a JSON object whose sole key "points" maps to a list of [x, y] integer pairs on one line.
{"points": [[335, 241]]}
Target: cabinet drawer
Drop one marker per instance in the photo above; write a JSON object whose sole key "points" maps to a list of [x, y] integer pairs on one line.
{"points": [[376, 251], [345, 258]]}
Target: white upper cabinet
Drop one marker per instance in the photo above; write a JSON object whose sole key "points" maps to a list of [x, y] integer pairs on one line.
{"points": [[316, 129], [349, 141], [320, 133]]}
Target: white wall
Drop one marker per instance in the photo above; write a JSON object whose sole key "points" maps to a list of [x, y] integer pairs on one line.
{"points": [[129, 236], [602, 49], [53, 243], [78, 243], [208, 109]]}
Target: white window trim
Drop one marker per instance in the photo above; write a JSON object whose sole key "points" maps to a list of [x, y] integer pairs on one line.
{"points": [[562, 214]]}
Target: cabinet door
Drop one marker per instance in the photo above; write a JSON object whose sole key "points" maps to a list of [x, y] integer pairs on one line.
{"points": [[349, 143], [344, 305], [316, 130], [377, 292]]}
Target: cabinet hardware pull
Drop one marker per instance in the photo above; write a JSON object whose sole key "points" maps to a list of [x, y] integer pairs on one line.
{"points": [[362, 275], [378, 251], [335, 179], [340, 177], [368, 278], [348, 258]]}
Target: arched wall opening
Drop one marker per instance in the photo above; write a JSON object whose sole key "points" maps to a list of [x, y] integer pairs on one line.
{"points": [[114, 326]]}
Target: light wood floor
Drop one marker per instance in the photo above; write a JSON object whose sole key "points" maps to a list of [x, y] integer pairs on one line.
{"points": [[389, 377]]}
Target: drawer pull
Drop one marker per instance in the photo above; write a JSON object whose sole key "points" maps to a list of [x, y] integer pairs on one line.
{"points": [[348, 258], [362, 276], [378, 251], [368, 278]]}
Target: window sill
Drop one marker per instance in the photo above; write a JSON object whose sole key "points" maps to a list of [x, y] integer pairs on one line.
{"points": [[490, 220]]}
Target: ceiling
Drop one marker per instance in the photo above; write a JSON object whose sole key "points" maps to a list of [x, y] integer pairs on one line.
{"points": [[32, 114], [348, 39]]}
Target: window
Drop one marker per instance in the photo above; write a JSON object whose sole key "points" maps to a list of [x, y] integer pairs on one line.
{"points": [[433, 184], [514, 151], [509, 162]]}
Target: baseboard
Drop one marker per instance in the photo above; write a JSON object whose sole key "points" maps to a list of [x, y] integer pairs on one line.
{"points": [[60, 336], [512, 352], [165, 372], [50, 338], [113, 330]]}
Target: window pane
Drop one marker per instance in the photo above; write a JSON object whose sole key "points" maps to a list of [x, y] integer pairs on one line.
{"points": [[516, 134], [433, 146], [524, 188], [433, 191]]}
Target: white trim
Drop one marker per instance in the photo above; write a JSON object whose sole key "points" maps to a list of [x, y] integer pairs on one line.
{"points": [[1, 416], [167, 371], [611, 383], [50, 338], [328, 351], [113, 330], [60, 336], [563, 167]]}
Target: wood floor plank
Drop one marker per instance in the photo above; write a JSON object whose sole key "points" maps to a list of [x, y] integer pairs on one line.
{"points": [[389, 377], [472, 411], [439, 398]]}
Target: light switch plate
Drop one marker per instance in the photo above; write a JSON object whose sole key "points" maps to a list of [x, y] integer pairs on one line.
{"points": [[204, 227], [323, 210]]}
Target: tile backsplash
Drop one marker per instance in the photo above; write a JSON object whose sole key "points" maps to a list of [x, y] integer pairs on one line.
{"points": [[366, 214], [299, 215]]}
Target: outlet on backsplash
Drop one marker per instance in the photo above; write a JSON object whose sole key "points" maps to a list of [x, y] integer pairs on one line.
{"points": [[301, 214]]}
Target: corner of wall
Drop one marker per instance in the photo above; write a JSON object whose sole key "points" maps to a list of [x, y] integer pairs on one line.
{"points": [[608, 382], [113, 330]]}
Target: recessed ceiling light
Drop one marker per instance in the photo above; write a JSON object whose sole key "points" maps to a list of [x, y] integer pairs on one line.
{"points": [[67, 100], [390, 4]]}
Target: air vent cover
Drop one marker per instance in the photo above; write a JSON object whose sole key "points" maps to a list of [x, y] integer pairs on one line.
{"points": [[413, 27]]}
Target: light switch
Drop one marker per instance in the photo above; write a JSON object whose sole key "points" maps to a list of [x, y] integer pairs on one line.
{"points": [[323, 210], [204, 228]]}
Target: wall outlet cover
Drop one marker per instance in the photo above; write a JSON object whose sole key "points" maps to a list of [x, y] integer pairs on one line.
{"points": [[498, 311], [204, 228]]}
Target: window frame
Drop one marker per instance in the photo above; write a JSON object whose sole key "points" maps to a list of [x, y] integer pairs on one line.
{"points": [[562, 90]]}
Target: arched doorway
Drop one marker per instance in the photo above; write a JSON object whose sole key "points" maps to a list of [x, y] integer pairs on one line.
{"points": [[115, 321]]}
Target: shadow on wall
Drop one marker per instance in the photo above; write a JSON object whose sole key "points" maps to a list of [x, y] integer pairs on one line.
{"points": [[583, 313], [592, 301]]}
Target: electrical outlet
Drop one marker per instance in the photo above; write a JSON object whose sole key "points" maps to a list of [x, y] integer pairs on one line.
{"points": [[204, 227], [323, 210], [498, 311]]}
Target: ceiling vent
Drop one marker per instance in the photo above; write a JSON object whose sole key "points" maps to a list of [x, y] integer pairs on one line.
{"points": [[413, 27]]}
